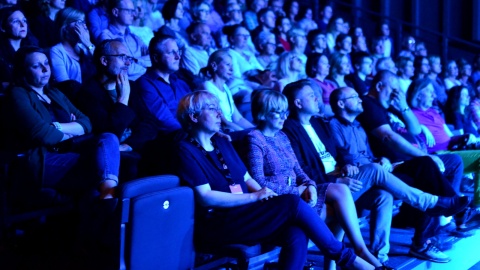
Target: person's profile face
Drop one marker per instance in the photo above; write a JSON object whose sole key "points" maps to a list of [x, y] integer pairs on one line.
{"points": [[170, 56]]}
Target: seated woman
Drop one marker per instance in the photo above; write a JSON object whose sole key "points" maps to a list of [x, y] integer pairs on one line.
{"points": [[272, 162], [318, 69], [289, 69], [219, 70], [282, 26], [434, 129], [14, 35], [451, 74], [172, 12], [458, 111], [339, 68], [44, 124], [72, 57], [231, 207], [43, 19]]}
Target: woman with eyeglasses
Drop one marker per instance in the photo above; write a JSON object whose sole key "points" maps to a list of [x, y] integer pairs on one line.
{"points": [[61, 158], [271, 161], [232, 208], [14, 35], [219, 69], [72, 57]]}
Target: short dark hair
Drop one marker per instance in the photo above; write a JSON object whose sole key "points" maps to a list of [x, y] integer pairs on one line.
{"points": [[335, 96], [262, 12], [358, 58], [313, 34], [19, 59], [5, 13], [312, 63], [291, 91], [381, 76], [169, 9], [152, 46]]}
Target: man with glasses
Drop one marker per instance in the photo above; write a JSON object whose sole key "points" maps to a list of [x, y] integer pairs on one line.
{"points": [[314, 144], [393, 129], [122, 14]]}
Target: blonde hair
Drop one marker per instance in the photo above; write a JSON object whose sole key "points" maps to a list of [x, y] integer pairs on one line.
{"points": [[64, 18], [283, 66], [193, 103], [266, 101]]}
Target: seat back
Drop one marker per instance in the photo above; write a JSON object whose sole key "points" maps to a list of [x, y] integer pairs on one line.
{"points": [[156, 227]]}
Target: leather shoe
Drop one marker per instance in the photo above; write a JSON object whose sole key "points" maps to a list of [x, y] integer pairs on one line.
{"points": [[449, 206]]}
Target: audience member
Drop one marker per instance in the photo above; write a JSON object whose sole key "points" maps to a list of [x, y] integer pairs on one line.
{"points": [[172, 12], [47, 121], [421, 49], [289, 68], [305, 20], [138, 27], [277, 7], [421, 66], [272, 162], [266, 45], [385, 63], [317, 41], [464, 74], [476, 68], [359, 44], [406, 70], [392, 136], [335, 27], [408, 47], [159, 88], [98, 19], [317, 70], [378, 51], [458, 111], [325, 16], [13, 35], [266, 22], [71, 58], [250, 16], [437, 82], [196, 55], [122, 14], [45, 19], [291, 9], [360, 79], [298, 42], [233, 15], [384, 34], [451, 74], [243, 59], [282, 27], [339, 68], [235, 205], [152, 16], [219, 69]]}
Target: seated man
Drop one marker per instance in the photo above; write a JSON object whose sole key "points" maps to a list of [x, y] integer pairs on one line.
{"points": [[121, 17], [363, 64], [392, 134], [107, 100], [196, 55], [315, 149]]}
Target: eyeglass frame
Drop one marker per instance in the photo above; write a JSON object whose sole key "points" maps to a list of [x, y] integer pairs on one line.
{"points": [[124, 57]]}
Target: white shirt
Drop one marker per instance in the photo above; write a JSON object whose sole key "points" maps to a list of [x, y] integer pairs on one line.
{"points": [[327, 159], [225, 99]]}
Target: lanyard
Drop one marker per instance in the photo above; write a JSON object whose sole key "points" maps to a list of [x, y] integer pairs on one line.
{"points": [[224, 168]]}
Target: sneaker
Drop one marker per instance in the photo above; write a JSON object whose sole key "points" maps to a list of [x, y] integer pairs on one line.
{"points": [[428, 251], [449, 206], [468, 220]]}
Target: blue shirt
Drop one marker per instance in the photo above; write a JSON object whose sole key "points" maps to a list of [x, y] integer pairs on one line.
{"points": [[97, 20], [161, 98]]}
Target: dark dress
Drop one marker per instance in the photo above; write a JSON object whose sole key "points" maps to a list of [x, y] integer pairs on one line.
{"points": [[276, 220]]}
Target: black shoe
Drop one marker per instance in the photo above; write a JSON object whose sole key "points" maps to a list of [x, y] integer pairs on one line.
{"points": [[449, 206]]}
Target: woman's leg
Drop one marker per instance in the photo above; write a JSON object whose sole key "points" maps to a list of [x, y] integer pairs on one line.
{"points": [[338, 233], [316, 229], [339, 196]]}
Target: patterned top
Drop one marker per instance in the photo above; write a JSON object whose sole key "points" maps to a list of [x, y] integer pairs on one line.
{"points": [[272, 162]]}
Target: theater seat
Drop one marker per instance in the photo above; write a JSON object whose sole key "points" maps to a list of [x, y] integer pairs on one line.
{"points": [[156, 224]]}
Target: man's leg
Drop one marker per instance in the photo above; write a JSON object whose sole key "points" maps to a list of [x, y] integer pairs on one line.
{"points": [[380, 203], [454, 169]]}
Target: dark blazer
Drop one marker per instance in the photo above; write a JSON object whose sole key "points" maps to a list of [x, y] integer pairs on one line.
{"points": [[31, 128], [304, 149], [114, 117]]}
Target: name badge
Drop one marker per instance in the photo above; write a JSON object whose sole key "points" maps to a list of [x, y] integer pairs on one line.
{"points": [[236, 189]]}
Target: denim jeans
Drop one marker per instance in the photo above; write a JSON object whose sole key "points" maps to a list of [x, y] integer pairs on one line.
{"points": [[379, 202], [454, 168], [98, 159]]}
